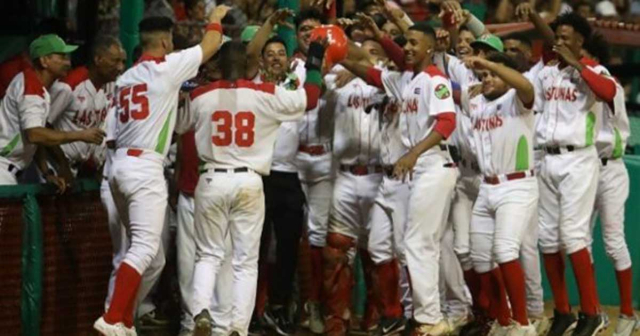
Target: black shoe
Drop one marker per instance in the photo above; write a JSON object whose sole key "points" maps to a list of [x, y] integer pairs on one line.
{"points": [[203, 324], [235, 333], [390, 326], [278, 319], [480, 326], [588, 325], [256, 326], [408, 327], [561, 323]]}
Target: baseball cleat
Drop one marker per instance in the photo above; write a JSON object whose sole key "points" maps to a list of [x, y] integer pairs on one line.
{"points": [[390, 326], [203, 324], [107, 329], [588, 325], [316, 320], [438, 329], [562, 323], [516, 329], [627, 325], [456, 323], [278, 319], [542, 324]]}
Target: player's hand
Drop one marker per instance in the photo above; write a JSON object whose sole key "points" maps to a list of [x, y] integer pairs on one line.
{"points": [[368, 22], [343, 77], [474, 62], [523, 11], [442, 40], [322, 4], [475, 90], [218, 13], [280, 17], [566, 54], [344, 23], [452, 7], [404, 166], [58, 181], [92, 135]]}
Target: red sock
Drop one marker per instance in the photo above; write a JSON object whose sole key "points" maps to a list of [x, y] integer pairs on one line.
{"points": [[514, 281], [499, 301], [554, 266], [624, 286], [387, 283], [472, 279], [315, 293], [124, 295], [582, 269], [485, 294], [129, 314], [371, 315]]}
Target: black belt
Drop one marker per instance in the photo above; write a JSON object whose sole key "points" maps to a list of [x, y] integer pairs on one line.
{"points": [[13, 169], [558, 149], [605, 161], [231, 170]]}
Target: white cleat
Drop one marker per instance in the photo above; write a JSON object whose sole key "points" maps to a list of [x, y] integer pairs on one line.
{"points": [[107, 329], [456, 323], [516, 329], [498, 330], [542, 324], [627, 325]]}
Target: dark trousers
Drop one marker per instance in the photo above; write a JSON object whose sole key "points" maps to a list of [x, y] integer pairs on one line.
{"points": [[284, 214]]}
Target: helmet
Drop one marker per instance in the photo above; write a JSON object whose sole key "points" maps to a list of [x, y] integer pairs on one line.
{"points": [[338, 43]]}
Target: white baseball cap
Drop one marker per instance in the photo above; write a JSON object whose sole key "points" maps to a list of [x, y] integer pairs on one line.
{"points": [[606, 9]]}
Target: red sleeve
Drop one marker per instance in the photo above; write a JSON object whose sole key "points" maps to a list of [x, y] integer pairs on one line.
{"points": [[445, 124], [394, 51], [374, 78], [313, 94], [603, 87]]}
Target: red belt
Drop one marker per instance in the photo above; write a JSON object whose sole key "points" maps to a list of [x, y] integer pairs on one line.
{"points": [[134, 152], [313, 149], [361, 170], [510, 177]]}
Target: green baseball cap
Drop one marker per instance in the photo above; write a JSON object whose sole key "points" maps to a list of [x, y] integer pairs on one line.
{"points": [[49, 44], [249, 32], [490, 40]]}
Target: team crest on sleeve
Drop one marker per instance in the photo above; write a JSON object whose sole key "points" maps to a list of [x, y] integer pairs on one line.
{"points": [[442, 92]]}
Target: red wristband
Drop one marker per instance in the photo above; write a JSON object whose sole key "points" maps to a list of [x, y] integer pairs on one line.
{"points": [[215, 26]]}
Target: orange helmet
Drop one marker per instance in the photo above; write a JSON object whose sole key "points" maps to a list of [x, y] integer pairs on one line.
{"points": [[338, 43]]}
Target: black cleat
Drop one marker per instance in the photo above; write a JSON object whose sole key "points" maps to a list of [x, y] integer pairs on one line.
{"points": [[256, 326], [390, 326], [588, 325], [279, 320], [561, 323]]}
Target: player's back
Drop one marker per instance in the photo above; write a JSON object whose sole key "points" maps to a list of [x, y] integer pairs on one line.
{"points": [[147, 99], [237, 122]]}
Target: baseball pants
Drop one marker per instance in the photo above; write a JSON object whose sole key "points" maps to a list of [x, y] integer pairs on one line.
{"points": [[465, 194], [228, 204], [186, 253], [119, 240], [6, 176], [284, 215], [431, 194], [455, 300]]}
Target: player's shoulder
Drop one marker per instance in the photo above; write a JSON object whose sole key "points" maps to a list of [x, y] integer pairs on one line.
{"points": [[76, 77], [435, 73], [268, 88], [31, 84]]}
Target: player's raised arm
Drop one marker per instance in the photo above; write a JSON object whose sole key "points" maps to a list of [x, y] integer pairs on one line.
{"points": [[213, 37], [509, 75], [313, 82], [254, 48]]}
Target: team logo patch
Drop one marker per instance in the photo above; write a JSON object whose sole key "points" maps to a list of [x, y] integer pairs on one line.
{"points": [[442, 92]]}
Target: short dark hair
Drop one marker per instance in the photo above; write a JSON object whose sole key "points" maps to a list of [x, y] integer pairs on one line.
{"points": [[188, 4], [504, 59], [102, 43], [519, 36], [274, 39], [425, 28], [379, 19], [231, 58], [154, 24], [598, 47], [400, 40], [584, 3], [310, 14], [577, 22]]}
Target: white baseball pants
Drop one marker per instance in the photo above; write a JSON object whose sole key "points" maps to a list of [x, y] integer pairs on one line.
{"points": [[228, 204], [431, 194], [315, 173], [568, 184], [465, 194], [6, 177], [456, 300], [119, 239]]}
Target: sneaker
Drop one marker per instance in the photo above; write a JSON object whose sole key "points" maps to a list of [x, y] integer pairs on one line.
{"points": [[627, 325], [203, 324], [440, 328], [390, 326], [316, 320], [153, 319], [562, 323], [605, 319], [456, 323], [588, 325], [498, 329], [481, 326], [542, 324], [278, 319], [516, 329], [107, 329]]}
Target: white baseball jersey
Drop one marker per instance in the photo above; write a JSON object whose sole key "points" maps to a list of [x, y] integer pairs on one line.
{"points": [[612, 137], [286, 147], [569, 109], [317, 125], [423, 96], [77, 105], [237, 123], [26, 105], [391, 146], [502, 132], [356, 138], [147, 99]]}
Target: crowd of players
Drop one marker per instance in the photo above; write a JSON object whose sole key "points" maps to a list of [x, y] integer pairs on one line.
{"points": [[445, 157]]}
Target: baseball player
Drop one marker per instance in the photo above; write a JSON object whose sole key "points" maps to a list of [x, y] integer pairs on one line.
{"points": [[613, 189], [147, 96], [356, 148], [566, 95], [502, 131], [26, 106], [80, 100], [236, 127], [428, 117], [314, 168]]}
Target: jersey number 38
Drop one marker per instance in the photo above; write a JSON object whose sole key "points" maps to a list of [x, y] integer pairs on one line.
{"points": [[229, 128]]}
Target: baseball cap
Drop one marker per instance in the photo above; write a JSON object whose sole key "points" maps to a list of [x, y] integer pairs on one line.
{"points": [[490, 40], [606, 9], [49, 44], [249, 32]]}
